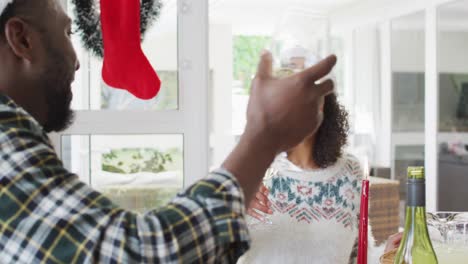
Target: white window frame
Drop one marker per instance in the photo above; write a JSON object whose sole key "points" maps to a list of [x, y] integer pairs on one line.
{"points": [[191, 118]]}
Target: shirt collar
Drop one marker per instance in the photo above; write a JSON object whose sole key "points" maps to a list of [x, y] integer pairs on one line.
{"points": [[6, 100]]}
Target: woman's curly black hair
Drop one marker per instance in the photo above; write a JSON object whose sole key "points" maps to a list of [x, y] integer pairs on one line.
{"points": [[332, 135]]}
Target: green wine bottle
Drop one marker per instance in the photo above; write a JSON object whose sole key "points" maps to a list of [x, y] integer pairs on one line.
{"points": [[416, 246]]}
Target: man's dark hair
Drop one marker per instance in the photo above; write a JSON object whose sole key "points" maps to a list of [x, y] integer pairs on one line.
{"points": [[332, 135]]}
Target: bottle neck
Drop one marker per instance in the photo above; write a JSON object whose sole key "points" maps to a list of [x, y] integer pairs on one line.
{"points": [[416, 203], [416, 194], [416, 209]]}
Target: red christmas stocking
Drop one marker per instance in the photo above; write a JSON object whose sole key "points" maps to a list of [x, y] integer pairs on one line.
{"points": [[125, 64]]}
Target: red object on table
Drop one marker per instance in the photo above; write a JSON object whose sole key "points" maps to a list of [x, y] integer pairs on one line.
{"points": [[125, 65], [363, 222]]}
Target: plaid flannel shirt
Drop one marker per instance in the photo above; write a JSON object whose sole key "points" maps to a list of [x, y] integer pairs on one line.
{"points": [[48, 216]]}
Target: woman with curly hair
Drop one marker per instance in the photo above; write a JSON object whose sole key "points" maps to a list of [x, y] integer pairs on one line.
{"points": [[311, 195]]}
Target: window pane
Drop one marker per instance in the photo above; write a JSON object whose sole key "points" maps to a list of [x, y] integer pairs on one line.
{"points": [[159, 46], [453, 102], [239, 31], [408, 101], [408, 68], [138, 172], [453, 106]]}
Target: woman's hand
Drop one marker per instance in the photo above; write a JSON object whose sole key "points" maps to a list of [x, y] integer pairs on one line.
{"points": [[393, 242], [260, 202]]}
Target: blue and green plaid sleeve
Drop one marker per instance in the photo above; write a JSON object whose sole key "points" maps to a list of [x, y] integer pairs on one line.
{"points": [[48, 216]]}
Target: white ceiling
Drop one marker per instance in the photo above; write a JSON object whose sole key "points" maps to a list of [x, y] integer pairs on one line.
{"points": [[267, 16], [456, 12], [263, 16], [451, 17], [254, 16]]}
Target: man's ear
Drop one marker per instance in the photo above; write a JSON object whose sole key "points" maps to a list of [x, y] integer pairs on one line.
{"points": [[19, 37]]}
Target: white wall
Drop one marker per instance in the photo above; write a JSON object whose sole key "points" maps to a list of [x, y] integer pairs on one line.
{"points": [[374, 11]]}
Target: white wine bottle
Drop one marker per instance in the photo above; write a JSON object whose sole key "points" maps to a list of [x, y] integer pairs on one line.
{"points": [[416, 246]]}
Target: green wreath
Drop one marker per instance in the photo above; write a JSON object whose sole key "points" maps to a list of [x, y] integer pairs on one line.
{"points": [[88, 22]]}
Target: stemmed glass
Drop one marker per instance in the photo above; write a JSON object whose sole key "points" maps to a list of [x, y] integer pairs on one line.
{"points": [[449, 235]]}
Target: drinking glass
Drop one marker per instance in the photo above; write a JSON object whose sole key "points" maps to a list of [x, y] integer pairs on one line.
{"points": [[449, 235]]}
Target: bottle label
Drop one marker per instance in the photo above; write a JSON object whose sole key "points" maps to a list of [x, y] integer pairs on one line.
{"points": [[416, 193]]}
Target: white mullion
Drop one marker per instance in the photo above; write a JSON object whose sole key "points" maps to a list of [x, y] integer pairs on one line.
{"points": [[127, 122], [384, 157], [431, 109], [194, 64], [353, 93]]}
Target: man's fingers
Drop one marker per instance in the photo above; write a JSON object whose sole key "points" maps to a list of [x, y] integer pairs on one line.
{"points": [[319, 70], [265, 66], [323, 89]]}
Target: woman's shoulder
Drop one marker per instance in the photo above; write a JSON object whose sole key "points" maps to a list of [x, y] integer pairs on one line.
{"points": [[347, 164], [352, 164], [281, 162], [351, 159]]}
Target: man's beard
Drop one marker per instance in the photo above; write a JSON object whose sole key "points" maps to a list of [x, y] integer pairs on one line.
{"points": [[57, 81]]}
